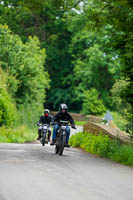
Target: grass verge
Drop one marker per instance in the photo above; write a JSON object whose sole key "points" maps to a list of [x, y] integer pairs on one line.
{"points": [[103, 146], [17, 135], [80, 123]]}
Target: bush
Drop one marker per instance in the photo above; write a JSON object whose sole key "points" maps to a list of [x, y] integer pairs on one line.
{"points": [[8, 112], [25, 64], [103, 146]]}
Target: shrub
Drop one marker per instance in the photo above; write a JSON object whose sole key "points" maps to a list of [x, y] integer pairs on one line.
{"points": [[102, 145]]}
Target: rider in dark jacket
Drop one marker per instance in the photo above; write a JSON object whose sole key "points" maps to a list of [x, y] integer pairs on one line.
{"points": [[64, 116], [45, 119]]}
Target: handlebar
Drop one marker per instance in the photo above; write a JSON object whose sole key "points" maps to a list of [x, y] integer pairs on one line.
{"points": [[43, 125], [65, 123]]}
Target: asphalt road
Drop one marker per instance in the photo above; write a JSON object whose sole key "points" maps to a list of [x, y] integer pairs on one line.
{"points": [[33, 172]]}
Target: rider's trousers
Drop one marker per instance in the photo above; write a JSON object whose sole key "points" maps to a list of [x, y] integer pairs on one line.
{"points": [[56, 127]]}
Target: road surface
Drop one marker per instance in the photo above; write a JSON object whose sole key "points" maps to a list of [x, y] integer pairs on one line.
{"points": [[33, 172]]}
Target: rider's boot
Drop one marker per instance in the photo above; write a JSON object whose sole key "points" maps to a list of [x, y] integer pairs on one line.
{"points": [[39, 137], [67, 145]]}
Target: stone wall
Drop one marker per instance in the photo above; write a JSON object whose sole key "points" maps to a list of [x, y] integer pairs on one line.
{"points": [[113, 133]]}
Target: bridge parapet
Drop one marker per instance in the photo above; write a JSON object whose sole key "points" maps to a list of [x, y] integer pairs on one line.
{"points": [[113, 133]]}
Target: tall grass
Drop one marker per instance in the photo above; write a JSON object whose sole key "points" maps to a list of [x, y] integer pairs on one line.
{"points": [[17, 135], [80, 123], [26, 129]]}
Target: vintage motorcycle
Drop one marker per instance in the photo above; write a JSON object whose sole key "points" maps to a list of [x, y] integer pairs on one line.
{"points": [[44, 133], [61, 137]]}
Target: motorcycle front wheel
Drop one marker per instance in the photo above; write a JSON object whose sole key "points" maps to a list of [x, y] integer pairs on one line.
{"points": [[43, 139], [56, 149]]}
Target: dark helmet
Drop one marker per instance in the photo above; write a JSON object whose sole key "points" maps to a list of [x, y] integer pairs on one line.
{"points": [[63, 108], [46, 112]]}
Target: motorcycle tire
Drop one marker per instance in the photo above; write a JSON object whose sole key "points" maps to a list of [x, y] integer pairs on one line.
{"points": [[43, 139], [56, 149], [62, 145]]}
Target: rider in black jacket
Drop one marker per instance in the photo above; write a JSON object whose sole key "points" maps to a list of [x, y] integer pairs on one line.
{"points": [[64, 116], [45, 119]]}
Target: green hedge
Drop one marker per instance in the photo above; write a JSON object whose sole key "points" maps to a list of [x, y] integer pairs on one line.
{"points": [[103, 146]]}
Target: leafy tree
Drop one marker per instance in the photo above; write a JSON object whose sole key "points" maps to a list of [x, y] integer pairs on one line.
{"points": [[92, 104], [47, 20], [98, 65], [120, 16], [83, 42], [25, 63]]}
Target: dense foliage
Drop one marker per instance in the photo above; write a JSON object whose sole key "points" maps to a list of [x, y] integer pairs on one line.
{"points": [[8, 112], [88, 48], [23, 81]]}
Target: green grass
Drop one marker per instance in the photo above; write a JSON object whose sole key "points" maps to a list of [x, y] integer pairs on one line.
{"points": [[103, 146], [17, 135], [80, 123]]}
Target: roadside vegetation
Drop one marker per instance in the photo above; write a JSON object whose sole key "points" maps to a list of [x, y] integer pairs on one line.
{"points": [[20, 134], [23, 83], [103, 146], [80, 123], [119, 120]]}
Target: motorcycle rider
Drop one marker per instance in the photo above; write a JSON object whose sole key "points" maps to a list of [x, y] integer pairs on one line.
{"points": [[45, 119], [64, 116]]}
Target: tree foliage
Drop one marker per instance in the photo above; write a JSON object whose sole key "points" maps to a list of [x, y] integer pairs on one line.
{"points": [[92, 104], [88, 45], [8, 112], [24, 64]]}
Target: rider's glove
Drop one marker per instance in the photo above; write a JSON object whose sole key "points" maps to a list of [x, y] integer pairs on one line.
{"points": [[73, 126]]}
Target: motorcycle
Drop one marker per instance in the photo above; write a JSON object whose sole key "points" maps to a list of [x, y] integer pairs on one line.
{"points": [[61, 137], [44, 133]]}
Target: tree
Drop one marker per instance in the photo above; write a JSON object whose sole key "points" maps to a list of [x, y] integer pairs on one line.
{"points": [[24, 63], [92, 104]]}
